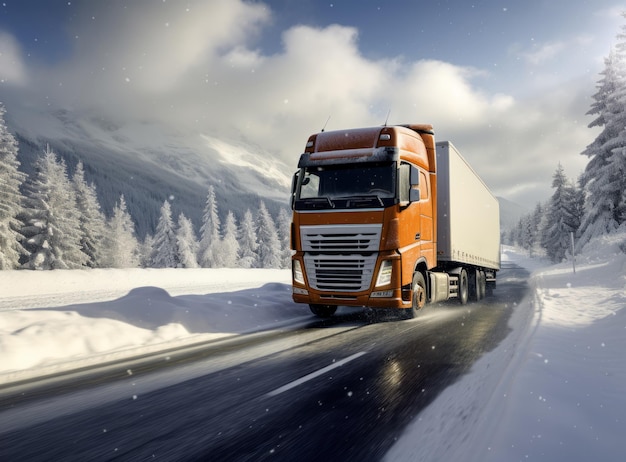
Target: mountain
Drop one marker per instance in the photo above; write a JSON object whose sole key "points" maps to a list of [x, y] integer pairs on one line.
{"points": [[150, 163]]}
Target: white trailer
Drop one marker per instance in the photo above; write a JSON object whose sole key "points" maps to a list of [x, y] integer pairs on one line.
{"points": [[468, 216]]}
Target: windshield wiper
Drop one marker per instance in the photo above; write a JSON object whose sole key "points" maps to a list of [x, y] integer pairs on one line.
{"points": [[318, 202], [365, 198]]}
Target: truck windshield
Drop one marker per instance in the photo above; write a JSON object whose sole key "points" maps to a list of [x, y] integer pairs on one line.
{"points": [[347, 186]]}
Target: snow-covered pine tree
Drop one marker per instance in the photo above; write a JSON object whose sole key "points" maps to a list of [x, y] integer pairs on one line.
{"points": [[284, 234], [517, 232], [604, 177], [209, 232], [526, 234], [186, 243], [579, 203], [561, 218], [529, 234], [92, 220], [511, 236], [51, 219], [145, 251], [269, 245], [617, 166], [248, 244], [10, 198], [122, 245], [229, 250], [165, 249], [537, 220]]}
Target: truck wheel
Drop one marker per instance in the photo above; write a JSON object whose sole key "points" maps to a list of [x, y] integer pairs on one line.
{"points": [[323, 311], [463, 287], [418, 297], [482, 286], [476, 285]]}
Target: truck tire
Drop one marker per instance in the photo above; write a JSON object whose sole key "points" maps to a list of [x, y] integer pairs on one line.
{"points": [[473, 287], [418, 295], [482, 286], [463, 287], [476, 285], [323, 311]]}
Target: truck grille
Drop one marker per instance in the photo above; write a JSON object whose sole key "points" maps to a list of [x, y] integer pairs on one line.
{"points": [[340, 257]]}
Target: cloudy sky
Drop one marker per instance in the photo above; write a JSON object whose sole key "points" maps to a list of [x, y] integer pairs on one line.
{"points": [[507, 82]]}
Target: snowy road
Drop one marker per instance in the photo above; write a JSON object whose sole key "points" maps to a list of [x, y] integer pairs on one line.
{"points": [[342, 389]]}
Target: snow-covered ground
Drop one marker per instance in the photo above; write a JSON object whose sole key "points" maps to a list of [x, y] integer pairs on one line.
{"points": [[561, 397], [51, 321], [552, 390]]}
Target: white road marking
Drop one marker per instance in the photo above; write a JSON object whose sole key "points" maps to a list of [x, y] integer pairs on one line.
{"points": [[317, 373]]}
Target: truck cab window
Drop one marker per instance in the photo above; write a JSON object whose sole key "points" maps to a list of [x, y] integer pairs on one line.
{"points": [[310, 186], [355, 185], [404, 183]]}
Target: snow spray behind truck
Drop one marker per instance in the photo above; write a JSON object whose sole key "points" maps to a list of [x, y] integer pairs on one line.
{"points": [[385, 218]]}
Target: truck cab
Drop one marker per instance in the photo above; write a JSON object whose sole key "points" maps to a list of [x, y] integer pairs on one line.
{"points": [[363, 217]]}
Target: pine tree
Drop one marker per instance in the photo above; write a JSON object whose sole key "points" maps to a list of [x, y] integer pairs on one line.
{"points": [[51, 218], [122, 245], [248, 244], [92, 220], [511, 236], [145, 251], [165, 254], [10, 198], [284, 234], [186, 243], [269, 244], [529, 235], [210, 232], [562, 218], [518, 231], [230, 246], [605, 177]]}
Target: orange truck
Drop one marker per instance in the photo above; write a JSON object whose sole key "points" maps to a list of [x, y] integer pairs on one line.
{"points": [[384, 217]]}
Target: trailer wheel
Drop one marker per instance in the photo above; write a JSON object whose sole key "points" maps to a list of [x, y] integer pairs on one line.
{"points": [[482, 285], [463, 287], [473, 287], [476, 285], [323, 311]]}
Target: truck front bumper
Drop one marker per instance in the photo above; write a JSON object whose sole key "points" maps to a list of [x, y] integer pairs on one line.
{"points": [[381, 299]]}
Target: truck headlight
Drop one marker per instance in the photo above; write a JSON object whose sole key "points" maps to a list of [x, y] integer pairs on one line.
{"points": [[298, 275], [384, 273]]}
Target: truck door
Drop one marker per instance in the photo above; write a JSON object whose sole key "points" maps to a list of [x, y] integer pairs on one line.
{"points": [[417, 202], [426, 218]]}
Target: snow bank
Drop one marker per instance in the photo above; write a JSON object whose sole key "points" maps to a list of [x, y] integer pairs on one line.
{"points": [[62, 336]]}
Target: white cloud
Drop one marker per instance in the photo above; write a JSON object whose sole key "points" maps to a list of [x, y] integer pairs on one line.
{"points": [[146, 50], [544, 52], [12, 69], [200, 71], [614, 12]]}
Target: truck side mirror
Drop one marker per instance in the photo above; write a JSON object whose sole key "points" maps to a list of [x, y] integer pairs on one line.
{"points": [[294, 184], [414, 195]]}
